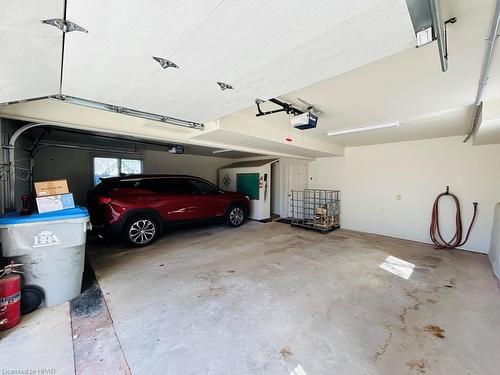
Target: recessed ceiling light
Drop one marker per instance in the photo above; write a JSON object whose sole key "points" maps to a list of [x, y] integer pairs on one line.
{"points": [[363, 129], [165, 63], [225, 86], [64, 25]]}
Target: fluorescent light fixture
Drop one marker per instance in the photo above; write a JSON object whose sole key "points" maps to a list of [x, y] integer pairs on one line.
{"points": [[363, 129], [220, 151], [424, 37]]}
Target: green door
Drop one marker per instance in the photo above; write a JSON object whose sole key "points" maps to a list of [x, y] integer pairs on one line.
{"points": [[248, 183]]}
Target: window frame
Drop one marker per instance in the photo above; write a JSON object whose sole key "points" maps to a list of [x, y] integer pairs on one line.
{"points": [[118, 156]]}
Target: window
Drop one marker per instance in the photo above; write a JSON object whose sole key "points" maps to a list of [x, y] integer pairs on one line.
{"points": [[175, 186], [201, 187], [171, 186], [108, 167]]}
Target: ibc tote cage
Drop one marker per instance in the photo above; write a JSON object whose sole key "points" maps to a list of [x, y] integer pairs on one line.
{"points": [[316, 209]]}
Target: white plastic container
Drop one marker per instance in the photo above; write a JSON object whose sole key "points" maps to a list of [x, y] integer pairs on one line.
{"points": [[51, 247]]}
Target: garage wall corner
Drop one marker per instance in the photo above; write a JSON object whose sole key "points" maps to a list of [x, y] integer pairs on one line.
{"points": [[389, 189]]}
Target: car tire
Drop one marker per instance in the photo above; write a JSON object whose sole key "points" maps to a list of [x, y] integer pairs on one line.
{"points": [[235, 216], [141, 231]]}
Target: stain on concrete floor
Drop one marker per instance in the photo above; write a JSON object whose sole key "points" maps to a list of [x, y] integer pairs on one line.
{"points": [[435, 330], [418, 366], [325, 296], [95, 344], [286, 352]]}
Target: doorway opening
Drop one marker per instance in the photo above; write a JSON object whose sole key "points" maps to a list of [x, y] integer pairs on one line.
{"points": [[275, 191], [298, 175]]}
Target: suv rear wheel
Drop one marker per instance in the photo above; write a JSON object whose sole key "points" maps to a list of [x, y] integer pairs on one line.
{"points": [[235, 216], [141, 231]]}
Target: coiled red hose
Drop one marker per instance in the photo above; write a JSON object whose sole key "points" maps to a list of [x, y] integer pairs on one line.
{"points": [[435, 232]]}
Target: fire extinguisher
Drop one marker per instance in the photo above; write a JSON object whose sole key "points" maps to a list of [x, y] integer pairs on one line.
{"points": [[10, 296]]}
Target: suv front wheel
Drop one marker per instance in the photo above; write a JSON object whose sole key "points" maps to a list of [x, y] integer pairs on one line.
{"points": [[235, 216], [141, 231]]}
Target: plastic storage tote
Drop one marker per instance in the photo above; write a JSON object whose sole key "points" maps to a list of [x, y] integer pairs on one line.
{"points": [[51, 247]]}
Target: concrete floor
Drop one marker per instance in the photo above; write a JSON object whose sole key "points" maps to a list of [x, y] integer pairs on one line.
{"points": [[271, 299], [40, 344]]}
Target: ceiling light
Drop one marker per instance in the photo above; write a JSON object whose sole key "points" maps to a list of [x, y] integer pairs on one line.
{"points": [[165, 63], [225, 86], [220, 151], [424, 37], [363, 129], [64, 25]]}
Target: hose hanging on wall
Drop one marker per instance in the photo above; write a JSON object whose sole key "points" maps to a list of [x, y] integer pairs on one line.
{"points": [[435, 232]]}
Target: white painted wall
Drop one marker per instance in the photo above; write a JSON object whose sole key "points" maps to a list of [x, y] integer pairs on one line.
{"points": [[76, 166], [370, 177], [260, 209], [200, 166], [72, 165], [280, 199], [495, 242]]}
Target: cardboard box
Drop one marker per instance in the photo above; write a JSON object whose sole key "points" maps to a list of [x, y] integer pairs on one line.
{"points": [[55, 202], [54, 187]]}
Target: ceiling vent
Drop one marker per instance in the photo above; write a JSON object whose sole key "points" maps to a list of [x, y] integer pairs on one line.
{"points": [[64, 25], [225, 86], [165, 63]]}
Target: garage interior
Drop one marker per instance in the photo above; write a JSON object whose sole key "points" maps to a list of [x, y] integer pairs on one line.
{"points": [[387, 103]]}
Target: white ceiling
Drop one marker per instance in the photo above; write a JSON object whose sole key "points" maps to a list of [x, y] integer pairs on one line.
{"points": [[408, 87], [30, 52], [489, 124], [265, 146], [262, 48], [356, 56], [229, 133]]}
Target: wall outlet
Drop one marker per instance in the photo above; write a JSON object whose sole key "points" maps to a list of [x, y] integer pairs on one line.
{"points": [[398, 197]]}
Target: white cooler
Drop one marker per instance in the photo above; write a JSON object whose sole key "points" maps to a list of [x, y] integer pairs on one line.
{"points": [[51, 247]]}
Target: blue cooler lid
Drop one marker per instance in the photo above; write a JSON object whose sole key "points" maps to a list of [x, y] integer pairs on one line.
{"points": [[70, 213]]}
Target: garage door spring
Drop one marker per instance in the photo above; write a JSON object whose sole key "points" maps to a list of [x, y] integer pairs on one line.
{"points": [[435, 231]]}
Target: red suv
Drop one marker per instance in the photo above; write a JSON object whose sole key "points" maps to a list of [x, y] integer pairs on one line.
{"points": [[139, 206]]}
